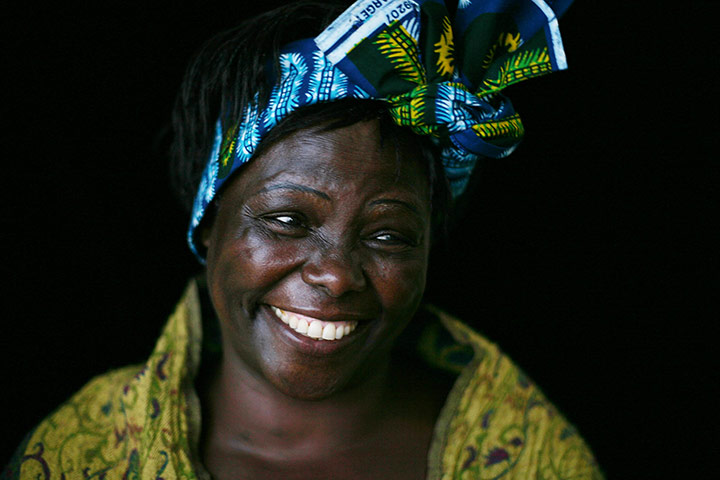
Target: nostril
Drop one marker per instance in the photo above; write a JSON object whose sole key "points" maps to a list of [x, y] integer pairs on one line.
{"points": [[336, 275]]}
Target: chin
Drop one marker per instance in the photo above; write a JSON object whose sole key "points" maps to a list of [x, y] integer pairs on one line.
{"points": [[320, 381], [308, 390]]}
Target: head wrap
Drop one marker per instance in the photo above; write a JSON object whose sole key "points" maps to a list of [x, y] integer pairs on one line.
{"points": [[440, 77]]}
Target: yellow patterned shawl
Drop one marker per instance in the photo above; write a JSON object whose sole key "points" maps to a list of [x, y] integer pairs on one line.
{"points": [[143, 422]]}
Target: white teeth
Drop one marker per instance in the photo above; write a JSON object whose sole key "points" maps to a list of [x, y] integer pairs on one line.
{"points": [[302, 327], [328, 332], [314, 328]]}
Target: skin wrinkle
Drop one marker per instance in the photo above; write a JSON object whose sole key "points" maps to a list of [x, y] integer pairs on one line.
{"points": [[323, 244], [328, 143], [401, 140], [331, 184], [293, 186], [277, 404]]}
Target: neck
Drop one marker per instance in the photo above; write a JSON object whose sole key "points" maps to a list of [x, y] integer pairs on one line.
{"points": [[245, 413]]}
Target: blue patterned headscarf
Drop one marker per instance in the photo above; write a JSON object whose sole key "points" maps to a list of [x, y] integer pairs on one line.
{"points": [[439, 77]]}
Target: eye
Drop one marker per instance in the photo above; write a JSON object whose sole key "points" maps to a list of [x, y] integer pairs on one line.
{"points": [[391, 241], [286, 223], [386, 237], [287, 220]]}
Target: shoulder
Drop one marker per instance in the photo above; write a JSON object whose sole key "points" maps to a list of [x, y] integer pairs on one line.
{"points": [[496, 421], [134, 422], [77, 430]]}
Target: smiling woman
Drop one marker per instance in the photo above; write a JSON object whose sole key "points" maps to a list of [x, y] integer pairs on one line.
{"points": [[303, 350], [338, 234], [300, 253]]}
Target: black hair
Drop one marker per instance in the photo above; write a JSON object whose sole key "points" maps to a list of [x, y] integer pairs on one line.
{"points": [[230, 69]]}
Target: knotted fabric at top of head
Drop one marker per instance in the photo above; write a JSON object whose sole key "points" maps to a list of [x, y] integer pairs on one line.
{"points": [[440, 78]]}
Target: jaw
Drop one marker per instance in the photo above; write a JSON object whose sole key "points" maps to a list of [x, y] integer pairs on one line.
{"points": [[302, 367], [312, 382]]}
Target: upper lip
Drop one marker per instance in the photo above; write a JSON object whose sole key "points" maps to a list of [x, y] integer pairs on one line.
{"points": [[327, 315]]}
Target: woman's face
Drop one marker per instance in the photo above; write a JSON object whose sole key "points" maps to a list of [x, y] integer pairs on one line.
{"points": [[317, 258]]}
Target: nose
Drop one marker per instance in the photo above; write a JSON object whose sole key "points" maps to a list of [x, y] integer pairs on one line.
{"points": [[336, 273]]}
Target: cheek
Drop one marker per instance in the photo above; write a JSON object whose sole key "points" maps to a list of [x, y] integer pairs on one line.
{"points": [[401, 285], [242, 267]]}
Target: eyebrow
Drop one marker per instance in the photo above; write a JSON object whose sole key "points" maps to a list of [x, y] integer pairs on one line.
{"points": [[293, 186], [385, 201]]}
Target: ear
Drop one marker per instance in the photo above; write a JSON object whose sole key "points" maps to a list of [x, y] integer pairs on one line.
{"points": [[208, 223], [205, 233]]}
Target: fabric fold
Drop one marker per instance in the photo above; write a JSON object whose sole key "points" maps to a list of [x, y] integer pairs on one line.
{"points": [[441, 76]]}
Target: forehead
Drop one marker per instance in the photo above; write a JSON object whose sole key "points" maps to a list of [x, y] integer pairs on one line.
{"points": [[348, 159]]}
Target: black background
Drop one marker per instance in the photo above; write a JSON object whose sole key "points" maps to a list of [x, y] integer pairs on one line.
{"points": [[589, 255]]}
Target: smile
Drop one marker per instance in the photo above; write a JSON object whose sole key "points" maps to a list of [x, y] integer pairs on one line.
{"points": [[314, 328]]}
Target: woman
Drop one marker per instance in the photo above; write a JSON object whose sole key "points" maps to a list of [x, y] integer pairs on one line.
{"points": [[303, 352]]}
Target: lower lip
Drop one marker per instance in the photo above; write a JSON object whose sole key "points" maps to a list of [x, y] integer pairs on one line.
{"points": [[307, 345]]}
